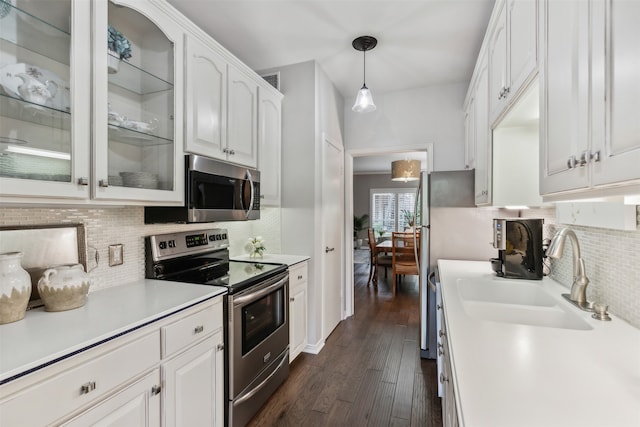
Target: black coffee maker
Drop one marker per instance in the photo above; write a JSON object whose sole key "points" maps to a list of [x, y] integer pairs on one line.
{"points": [[519, 244]]}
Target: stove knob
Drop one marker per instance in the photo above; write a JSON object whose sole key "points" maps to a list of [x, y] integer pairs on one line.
{"points": [[158, 270], [162, 245]]}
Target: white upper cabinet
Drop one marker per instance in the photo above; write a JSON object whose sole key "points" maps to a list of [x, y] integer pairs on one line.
{"points": [[513, 53], [483, 159], [470, 133], [221, 106], [616, 128], [242, 124], [205, 100], [590, 98], [137, 112], [269, 144], [45, 97]]}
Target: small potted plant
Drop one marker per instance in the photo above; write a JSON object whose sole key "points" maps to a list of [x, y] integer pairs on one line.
{"points": [[119, 48], [256, 247], [359, 223], [409, 218]]}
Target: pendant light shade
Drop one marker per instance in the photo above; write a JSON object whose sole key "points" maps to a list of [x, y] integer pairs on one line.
{"points": [[405, 170], [364, 100]]}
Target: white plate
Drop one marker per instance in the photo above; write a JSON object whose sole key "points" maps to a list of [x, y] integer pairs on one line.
{"points": [[10, 83]]}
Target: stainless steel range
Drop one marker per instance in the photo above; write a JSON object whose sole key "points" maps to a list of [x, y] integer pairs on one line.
{"points": [[256, 311]]}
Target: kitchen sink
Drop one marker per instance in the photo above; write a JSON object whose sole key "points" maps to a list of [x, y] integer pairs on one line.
{"points": [[550, 317], [505, 291], [516, 302]]}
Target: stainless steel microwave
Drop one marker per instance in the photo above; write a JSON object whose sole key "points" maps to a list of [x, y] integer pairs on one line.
{"points": [[214, 191]]}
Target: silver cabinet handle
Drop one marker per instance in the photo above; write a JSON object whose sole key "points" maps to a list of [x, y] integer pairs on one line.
{"points": [[225, 150], [595, 157], [292, 299], [328, 249], [585, 157], [438, 307], [198, 329], [156, 389], [441, 333], [443, 379], [571, 163], [103, 183], [440, 352], [300, 277], [232, 152], [220, 347], [83, 180], [88, 387]]}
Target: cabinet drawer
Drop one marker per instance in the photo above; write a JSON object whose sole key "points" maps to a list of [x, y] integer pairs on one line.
{"points": [[191, 329], [297, 274], [61, 394]]}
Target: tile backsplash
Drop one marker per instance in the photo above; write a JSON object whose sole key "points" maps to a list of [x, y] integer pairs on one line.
{"points": [[612, 261], [612, 257], [108, 226]]}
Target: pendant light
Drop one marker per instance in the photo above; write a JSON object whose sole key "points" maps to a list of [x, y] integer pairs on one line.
{"points": [[364, 100], [405, 170]]}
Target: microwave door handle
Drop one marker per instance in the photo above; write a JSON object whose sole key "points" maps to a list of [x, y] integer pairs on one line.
{"points": [[248, 208]]}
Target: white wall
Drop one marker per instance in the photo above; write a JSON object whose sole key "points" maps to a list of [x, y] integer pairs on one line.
{"points": [[311, 106], [418, 116]]}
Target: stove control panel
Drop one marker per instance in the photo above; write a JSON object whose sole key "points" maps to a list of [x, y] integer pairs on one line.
{"points": [[166, 246]]}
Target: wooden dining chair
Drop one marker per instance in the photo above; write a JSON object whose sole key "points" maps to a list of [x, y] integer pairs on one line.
{"points": [[377, 259], [403, 260]]}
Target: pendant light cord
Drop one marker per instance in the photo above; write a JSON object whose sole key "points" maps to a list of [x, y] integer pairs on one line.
{"points": [[364, 68]]}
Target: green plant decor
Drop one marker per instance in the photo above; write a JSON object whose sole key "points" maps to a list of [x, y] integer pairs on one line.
{"points": [[409, 217], [118, 43], [359, 223]]}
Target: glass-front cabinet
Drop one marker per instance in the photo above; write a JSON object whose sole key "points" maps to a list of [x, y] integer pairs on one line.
{"points": [[137, 113], [44, 98]]}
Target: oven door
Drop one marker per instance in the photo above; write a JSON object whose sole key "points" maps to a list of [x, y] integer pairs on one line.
{"points": [[258, 332]]}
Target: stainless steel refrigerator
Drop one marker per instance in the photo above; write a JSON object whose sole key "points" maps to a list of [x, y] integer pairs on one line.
{"points": [[451, 228]]}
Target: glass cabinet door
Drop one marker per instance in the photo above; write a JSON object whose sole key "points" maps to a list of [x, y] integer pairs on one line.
{"points": [[44, 145], [138, 142]]}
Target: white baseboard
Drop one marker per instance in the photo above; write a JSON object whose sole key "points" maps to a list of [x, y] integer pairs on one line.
{"points": [[314, 348]]}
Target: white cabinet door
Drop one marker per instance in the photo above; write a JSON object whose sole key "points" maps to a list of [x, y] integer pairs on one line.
{"points": [[298, 320], [297, 309], [269, 146], [470, 134], [522, 16], [242, 118], [205, 100], [138, 405], [565, 119], [138, 109], [193, 392], [45, 140], [616, 93], [483, 158], [498, 78]]}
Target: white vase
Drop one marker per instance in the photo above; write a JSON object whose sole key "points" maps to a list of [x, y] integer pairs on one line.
{"points": [[64, 287], [15, 288]]}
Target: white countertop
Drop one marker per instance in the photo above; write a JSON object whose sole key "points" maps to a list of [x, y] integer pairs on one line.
{"points": [[274, 259], [42, 337], [509, 374]]}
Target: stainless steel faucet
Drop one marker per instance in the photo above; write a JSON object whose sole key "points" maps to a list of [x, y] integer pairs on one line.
{"points": [[578, 294]]}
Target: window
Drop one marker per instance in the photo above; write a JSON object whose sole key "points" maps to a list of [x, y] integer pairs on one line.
{"points": [[392, 209]]}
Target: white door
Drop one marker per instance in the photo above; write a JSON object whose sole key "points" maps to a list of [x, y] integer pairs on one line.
{"points": [[332, 230]]}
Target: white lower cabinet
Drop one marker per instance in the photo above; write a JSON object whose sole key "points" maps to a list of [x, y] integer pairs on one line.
{"points": [[297, 309], [170, 373], [138, 405], [449, 410], [193, 385]]}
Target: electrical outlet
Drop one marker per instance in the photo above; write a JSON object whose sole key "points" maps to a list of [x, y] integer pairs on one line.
{"points": [[116, 257]]}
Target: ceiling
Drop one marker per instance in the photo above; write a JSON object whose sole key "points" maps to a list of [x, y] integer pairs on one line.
{"points": [[420, 42]]}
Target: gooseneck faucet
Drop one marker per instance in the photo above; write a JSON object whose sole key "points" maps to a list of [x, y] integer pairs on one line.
{"points": [[580, 281]]}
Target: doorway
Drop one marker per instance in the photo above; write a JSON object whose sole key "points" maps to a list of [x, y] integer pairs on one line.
{"points": [[387, 154]]}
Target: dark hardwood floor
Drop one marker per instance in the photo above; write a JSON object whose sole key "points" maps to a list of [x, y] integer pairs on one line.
{"points": [[369, 372]]}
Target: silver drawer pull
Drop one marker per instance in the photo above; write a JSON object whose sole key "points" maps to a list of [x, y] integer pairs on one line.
{"points": [[443, 379], [292, 299], [441, 333], [300, 277], [220, 347], [88, 387], [156, 389], [198, 329]]}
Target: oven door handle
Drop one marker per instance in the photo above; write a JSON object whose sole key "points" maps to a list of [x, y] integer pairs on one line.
{"points": [[253, 296], [264, 382]]}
